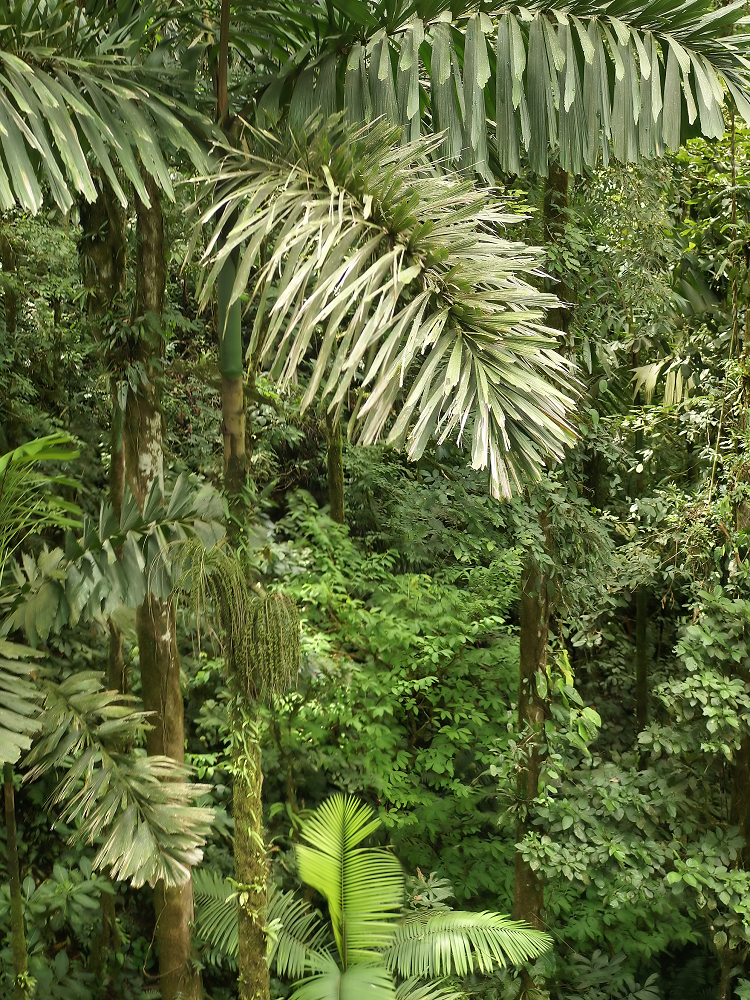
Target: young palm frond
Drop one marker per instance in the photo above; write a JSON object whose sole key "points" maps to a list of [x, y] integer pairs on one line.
{"points": [[403, 285], [142, 806], [332, 983], [364, 887], [457, 943]]}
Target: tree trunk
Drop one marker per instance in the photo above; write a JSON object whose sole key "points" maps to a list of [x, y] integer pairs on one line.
{"points": [[250, 867], [229, 328], [740, 807], [335, 469], [18, 934], [10, 294], [528, 893], [155, 619], [641, 660]]}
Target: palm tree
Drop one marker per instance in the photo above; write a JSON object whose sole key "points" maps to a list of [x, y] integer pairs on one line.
{"points": [[369, 943]]}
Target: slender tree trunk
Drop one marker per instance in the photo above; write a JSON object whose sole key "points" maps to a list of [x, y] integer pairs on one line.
{"points": [[335, 469], [528, 893], [229, 323], [740, 808], [10, 295], [250, 866], [18, 934], [155, 619], [641, 605]]}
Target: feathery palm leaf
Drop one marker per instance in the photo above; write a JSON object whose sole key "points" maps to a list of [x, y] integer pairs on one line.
{"points": [[332, 983], [414, 989], [69, 96], [20, 698], [457, 943], [585, 79], [25, 503], [407, 286], [363, 887], [216, 912], [293, 927], [142, 806]]}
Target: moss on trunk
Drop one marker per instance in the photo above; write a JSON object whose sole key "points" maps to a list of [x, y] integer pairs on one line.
{"points": [[18, 933]]}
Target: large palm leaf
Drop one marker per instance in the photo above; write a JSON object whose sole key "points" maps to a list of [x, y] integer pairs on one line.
{"points": [[458, 943], [363, 887], [627, 77], [72, 101], [141, 809], [406, 287]]}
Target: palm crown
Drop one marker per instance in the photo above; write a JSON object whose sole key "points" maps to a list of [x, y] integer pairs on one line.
{"points": [[370, 943]]}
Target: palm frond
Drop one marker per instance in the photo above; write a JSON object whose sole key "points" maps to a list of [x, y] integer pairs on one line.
{"points": [[405, 284], [25, 501], [294, 931], [20, 698], [364, 980], [216, 912], [457, 943], [71, 100], [415, 989], [363, 887], [574, 82], [296, 935], [141, 806]]}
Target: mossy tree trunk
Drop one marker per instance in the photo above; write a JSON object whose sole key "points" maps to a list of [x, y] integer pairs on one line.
{"points": [[155, 619], [250, 866], [335, 462], [17, 931]]}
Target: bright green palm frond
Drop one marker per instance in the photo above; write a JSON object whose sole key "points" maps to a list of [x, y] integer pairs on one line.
{"points": [[216, 912], [369, 980], [405, 285], [458, 943], [19, 700], [415, 989], [364, 887], [142, 807], [296, 935], [25, 501]]}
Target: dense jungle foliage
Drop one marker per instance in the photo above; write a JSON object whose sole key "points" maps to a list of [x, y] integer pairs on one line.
{"points": [[269, 592]]}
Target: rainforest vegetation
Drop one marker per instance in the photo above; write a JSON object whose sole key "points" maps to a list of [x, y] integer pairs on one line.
{"points": [[374, 500]]}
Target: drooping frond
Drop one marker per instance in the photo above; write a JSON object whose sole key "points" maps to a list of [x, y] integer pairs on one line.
{"points": [[20, 700], [296, 935], [405, 284], [216, 912], [142, 806], [294, 932], [416, 989], [25, 501], [574, 82], [364, 887], [458, 943], [363, 980], [260, 633], [72, 100]]}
